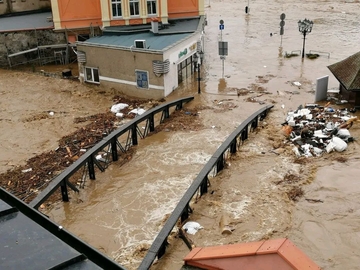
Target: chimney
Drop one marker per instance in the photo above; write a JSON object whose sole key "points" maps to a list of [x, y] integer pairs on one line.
{"points": [[155, 25]]}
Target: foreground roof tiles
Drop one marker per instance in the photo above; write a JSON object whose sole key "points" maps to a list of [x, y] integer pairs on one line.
{"points": [[276, 254]]}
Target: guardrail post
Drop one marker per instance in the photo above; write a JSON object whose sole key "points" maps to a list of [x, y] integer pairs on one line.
{"points": [[204, 186], [185, 213], [64, 192], [233, 147], [134, 135], [179, 106], [220, 163], [114, 152], [151, 123], [91, 167], [162, 249], [244, 133], [166, 112], [254, 123], [263, 115]]}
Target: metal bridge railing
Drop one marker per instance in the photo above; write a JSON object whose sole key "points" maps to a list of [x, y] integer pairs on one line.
{"points": [[112, 143], [201, 182]]}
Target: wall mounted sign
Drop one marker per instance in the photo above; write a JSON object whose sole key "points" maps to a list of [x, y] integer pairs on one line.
{"points": [[142, 79], [193, 47], [182, 53]]}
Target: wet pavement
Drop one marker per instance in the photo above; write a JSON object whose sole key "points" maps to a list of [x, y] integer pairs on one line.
{"points": [[123, 210]]}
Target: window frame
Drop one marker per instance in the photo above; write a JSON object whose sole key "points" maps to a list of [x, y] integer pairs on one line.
{"points": [[137, 81], [116, 3], [149, 3], [132, 7], [92, 75]]}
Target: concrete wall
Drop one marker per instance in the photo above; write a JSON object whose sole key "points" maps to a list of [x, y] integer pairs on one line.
{"points": [[117, 69], [5, 7], [13, 6], [14, 42]]}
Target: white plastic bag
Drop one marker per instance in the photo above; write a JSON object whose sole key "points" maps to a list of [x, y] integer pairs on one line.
{"points": [[330, 147], [339, 144], [343, 133], [192, 227], [118, 107], [137, 111]]}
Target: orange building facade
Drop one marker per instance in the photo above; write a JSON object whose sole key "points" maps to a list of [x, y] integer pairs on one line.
{"points": [[90, 14]]}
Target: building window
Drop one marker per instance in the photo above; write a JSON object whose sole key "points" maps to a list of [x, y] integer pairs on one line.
{"points": [[116, 8], [92, 75], [151, 7], [134, 7], [185, 69], [142, 79]]}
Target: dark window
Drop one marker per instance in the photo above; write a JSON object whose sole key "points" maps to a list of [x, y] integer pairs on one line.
{"points": [[134, 7], [83, 37], [92, 75], [185, 69], [151, 7], [116, 8]]}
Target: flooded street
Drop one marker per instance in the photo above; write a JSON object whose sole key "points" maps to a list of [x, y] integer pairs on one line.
{"points": [[122, 211]]}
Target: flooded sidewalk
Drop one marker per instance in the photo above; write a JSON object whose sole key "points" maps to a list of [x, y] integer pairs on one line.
{"points": [[262, 194]]}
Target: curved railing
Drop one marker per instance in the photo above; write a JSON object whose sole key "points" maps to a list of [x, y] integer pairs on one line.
{"points": [[111, 143], [200, 184]]}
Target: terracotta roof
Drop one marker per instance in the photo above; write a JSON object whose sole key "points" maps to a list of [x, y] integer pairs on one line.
{"points": [[347, 72], [276, 254]]}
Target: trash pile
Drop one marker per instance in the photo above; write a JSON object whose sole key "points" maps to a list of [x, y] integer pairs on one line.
{"points": [[314, 129]]}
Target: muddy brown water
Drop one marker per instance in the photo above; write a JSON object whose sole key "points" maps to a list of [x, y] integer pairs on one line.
{"points": [[121, 212]]}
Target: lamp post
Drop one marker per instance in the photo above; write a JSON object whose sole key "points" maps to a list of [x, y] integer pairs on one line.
{"points": [[305, 27], [197, 67]]}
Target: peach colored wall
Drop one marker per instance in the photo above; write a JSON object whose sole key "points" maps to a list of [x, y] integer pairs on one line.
{"points": [[79, 13], [183, 8]]}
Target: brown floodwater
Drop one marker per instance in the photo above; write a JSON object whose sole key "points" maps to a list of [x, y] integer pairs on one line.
{"points": [[122, 211]]}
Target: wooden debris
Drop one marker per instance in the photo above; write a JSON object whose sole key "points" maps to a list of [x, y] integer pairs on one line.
{"points": [[314, 200]]}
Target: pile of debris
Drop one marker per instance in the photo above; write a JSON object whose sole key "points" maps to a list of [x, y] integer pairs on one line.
{"points": [[314, 129]]}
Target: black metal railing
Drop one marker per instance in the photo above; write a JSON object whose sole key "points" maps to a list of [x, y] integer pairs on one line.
{"points": [[201, 182], [112, 144]]}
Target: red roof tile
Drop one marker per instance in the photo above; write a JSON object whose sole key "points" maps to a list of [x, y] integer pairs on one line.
{"points": [[252, 255]]}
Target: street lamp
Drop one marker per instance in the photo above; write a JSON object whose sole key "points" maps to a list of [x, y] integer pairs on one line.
{"points": [[197, 67], [201, 56], [305, 27]]}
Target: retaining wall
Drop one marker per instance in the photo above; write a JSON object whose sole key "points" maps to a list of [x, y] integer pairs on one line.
{"points": [[13, 42]]}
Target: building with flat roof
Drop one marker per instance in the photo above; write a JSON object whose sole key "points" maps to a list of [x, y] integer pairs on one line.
{"points": [[146, 61]]}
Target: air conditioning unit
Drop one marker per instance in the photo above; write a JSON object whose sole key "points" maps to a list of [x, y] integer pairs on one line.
{"points": [[140, 43]]}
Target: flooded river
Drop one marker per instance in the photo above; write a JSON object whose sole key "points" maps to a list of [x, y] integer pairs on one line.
{"points": [[123, 210]]}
